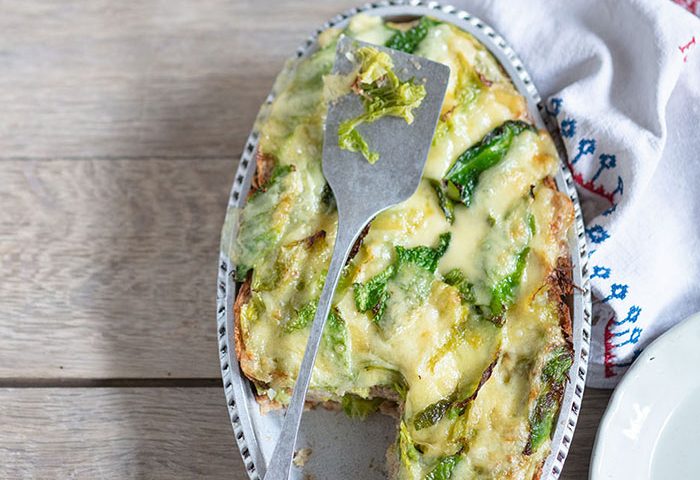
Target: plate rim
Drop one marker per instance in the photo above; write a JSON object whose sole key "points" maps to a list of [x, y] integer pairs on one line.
{"points": [[237, 387], [628, 381]]}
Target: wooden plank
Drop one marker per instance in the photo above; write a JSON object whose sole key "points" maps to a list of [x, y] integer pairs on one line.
{"points": [[154, 433], [141, 79], [594, 403], [109, 267]]}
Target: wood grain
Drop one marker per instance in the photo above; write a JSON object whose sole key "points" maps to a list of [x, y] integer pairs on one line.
{"points": [[154, 433], [123, 433], [141, 79], [109, 267]]}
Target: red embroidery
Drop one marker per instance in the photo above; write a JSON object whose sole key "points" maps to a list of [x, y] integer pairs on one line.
{"points": [[609, 357], [686, 47], [591, 187], [690, 5]]}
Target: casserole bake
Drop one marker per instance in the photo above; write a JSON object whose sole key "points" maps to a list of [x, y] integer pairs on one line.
{"points": [[452, 307]]}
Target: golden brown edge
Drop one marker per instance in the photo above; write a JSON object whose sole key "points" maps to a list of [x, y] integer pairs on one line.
{"points": [[560, 279]]}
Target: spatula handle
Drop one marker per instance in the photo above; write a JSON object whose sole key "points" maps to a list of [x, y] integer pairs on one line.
{"points": [[280, 464]]}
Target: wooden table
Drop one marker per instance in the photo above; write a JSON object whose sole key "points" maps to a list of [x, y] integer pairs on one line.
{"points": [[120, 128]]}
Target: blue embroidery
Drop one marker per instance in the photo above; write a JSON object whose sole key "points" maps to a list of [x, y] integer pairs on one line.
{"points": [[586, 146], [619, 186], [634, 338], [619, 334], [632, 315], [617, 291], [606, 162], [609, 210], [568, 127], [629, 333], [555, 108], [597, 234], [600, 272]]}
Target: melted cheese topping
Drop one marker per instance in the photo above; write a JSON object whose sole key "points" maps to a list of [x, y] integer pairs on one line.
{"points": [[430, 341]]}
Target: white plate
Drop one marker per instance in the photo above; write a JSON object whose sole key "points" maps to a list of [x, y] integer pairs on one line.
{"points": [[651, 428]]}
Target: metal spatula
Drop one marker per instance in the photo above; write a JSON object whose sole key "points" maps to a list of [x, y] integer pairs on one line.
{"points": [[362, 190]]}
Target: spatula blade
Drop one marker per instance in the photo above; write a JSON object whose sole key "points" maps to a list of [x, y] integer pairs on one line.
{"points": [[402, 148]]}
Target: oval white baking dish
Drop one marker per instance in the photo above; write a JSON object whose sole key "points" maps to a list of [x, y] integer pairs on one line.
{"points": [[339, 443]]}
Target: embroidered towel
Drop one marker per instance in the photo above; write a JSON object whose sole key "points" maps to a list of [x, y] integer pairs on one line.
{"points": [[622, 79]]}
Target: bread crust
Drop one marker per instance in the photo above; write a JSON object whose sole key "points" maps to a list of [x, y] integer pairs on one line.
{"points": [[560, 279], [244, 357], [264, 165], [561, 286]]}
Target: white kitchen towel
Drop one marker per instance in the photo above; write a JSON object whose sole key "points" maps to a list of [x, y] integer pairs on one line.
{"points": [[622, 79]]}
